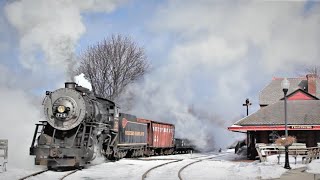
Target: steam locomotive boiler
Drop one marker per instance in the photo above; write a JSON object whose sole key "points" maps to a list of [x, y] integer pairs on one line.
{"points": [[79, 125]]}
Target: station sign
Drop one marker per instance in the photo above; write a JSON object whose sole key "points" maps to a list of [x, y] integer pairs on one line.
{"points": [[300, 127]]}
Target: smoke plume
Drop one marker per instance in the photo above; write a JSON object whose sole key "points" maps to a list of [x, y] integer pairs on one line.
{"points": [[49, 30], [219, 54], [47, 33], [82, 81]]}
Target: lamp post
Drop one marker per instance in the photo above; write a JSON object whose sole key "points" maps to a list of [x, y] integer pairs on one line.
{"points": [[285, 86]]}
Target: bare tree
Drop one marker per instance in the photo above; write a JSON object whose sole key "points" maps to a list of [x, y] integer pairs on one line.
{"points": [[312, 69], [111, 65]]}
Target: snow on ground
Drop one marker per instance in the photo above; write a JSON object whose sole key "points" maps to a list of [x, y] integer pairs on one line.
{"points": [[178, 156], [50, 175], [226, 169], [314, 167], [233, 170], [15, 173], [225, 165], [168, 172], [123, 169]]}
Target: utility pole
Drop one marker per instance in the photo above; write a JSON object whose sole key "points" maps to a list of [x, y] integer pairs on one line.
{"points": [[247, 103]]}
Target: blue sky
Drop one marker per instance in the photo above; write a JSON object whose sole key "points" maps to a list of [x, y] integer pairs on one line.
{"points": [[132, 19], [210, 55]]}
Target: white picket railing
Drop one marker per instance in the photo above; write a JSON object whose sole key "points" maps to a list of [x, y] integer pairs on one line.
{"points": [[295, 150], [3, 153]]}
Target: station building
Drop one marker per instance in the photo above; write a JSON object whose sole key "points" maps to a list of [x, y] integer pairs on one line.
{"points": [[303, 114]]}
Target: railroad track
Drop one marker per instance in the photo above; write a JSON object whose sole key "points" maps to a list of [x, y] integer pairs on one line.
{"points": [[146, 173], [187, 165], [158, 159], [43, 171], [34, 174], [160, 165], [69, 174]]}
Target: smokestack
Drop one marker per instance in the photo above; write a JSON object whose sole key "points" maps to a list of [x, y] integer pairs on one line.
{"points": [[312, 86], [71, 85]]}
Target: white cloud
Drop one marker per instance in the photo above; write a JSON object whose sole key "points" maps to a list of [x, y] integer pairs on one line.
{"points": [[220, 52], [49, 30], [212, 50], [98, 5], [232, 47], [281, 30]]}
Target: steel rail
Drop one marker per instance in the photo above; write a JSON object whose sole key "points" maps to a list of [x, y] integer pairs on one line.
{"points": [[69, 174], [34, 174], [181, 169], [146, 173], [160, 165], [157, 159], [43, 171]]}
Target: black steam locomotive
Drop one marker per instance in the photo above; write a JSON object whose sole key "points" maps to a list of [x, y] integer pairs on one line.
{"points": [[80, 125]]}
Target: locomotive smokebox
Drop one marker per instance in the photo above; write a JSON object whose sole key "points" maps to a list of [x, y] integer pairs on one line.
{"points": [[70, 85]]}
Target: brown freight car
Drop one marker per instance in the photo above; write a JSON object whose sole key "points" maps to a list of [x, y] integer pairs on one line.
{"points": [[160, 137]]}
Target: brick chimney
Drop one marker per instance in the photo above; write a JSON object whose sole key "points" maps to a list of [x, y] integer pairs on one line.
{"points": [[312, 86]]}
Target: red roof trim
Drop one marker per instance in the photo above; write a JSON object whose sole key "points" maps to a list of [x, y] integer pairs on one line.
{"points": [[307, 96], [281, 78], [272, 128]]}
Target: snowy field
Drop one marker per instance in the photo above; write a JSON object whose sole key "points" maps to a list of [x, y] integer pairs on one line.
{"points": [[225, 165]]}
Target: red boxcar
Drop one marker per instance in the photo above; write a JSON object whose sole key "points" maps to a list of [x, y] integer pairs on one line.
{"points": [[160, 136]]}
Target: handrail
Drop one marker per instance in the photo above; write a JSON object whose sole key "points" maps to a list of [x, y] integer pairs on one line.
{"points": [[308, 154], [4, 155]]}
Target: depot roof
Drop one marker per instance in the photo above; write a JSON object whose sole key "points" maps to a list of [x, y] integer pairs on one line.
{"points": [[301, 112]]}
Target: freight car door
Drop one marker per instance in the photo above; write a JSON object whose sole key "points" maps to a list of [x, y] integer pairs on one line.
{"points": [[162, 135]]}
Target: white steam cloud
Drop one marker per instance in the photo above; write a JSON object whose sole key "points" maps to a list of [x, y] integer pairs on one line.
{"points": [[19, 113], [82, 81], [221, 52], [47, 32]]}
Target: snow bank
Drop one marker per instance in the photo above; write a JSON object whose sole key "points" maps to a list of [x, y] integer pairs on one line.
{"points": [[225, 165], [314, 167]]}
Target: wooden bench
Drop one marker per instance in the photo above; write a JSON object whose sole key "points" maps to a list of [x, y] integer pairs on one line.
{"points": [[295, 150], [265, 150], [308, 154], [313, 153], [3, 153]]}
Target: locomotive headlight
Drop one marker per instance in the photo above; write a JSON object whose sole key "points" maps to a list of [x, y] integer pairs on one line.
{"points": [[61, 109]]}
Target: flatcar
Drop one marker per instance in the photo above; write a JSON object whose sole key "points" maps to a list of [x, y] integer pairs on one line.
{"points": [[183, 146]]}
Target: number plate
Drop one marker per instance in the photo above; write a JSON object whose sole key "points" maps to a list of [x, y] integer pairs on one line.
{"points": [[61, 115]]}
